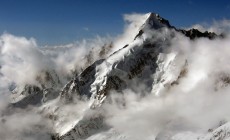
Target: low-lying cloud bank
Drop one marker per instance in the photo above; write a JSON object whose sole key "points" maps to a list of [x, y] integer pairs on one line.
{"points": [[197, 103]]}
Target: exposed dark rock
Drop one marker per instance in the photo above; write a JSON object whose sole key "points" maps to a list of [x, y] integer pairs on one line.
{"points": [[85, 128], [80, 83], [105, 50], [139, 34], [45, 90], [194, 33], [161, 22], [34, 97]]}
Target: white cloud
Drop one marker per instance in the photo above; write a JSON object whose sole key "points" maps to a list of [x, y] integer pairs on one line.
{"points": [[193, 105], [21, 59], [220, 26], [131, 29]]}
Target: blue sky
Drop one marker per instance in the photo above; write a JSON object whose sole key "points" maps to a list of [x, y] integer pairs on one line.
{"points": [[64, 21]]}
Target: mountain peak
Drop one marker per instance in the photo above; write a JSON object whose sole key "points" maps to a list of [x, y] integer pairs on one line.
{"points": [[155, 21]]}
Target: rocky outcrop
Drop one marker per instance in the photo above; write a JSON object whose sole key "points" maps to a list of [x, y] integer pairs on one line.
{"points": [[46, 89], [194, 33]]}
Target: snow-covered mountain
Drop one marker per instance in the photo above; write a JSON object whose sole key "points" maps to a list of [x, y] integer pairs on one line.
{"points": [[137, 60], [148, 65], [141, 61]]}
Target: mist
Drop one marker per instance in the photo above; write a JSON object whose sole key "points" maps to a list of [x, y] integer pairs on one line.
{"points": [[198, 102], [196, 105]]}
